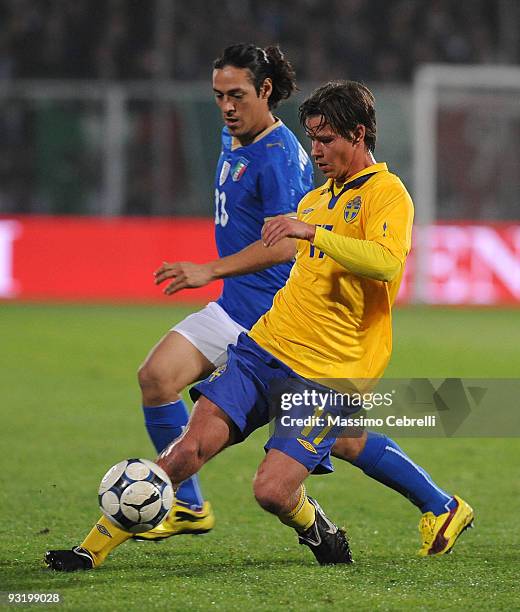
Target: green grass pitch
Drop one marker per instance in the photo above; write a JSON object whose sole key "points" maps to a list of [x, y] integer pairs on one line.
{"points": [[70, 409]]}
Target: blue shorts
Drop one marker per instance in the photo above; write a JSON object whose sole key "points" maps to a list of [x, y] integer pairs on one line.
{"points": [[254, 388]]}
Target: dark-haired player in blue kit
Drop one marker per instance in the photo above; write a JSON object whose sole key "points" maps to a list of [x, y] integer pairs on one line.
{"points": [[262, 172]]}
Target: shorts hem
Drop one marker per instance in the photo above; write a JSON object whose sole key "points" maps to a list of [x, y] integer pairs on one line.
{"points": [[195, 395], [317, 467]]}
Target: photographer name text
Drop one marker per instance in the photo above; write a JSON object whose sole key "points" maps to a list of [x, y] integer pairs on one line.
{"points": [[329, 420]]}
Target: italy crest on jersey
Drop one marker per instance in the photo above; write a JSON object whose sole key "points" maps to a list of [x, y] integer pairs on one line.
{"points": [[239, 169], [352, 209]]}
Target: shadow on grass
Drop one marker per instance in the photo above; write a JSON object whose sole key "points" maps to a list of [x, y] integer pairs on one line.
{"points": [[33, 575]]}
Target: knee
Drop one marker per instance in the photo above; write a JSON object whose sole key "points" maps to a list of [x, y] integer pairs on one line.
{"points": [[349, 449], [155, 380], [268, 493], [148, 375]]}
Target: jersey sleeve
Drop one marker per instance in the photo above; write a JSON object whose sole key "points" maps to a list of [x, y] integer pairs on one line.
{"points": [[389, 218], [277, 187], [362, 257]]}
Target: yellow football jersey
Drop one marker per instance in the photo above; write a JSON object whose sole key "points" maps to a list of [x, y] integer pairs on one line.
{"points": [[326, 322]]}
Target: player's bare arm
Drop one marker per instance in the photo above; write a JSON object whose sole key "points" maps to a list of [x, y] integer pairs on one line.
{"points": [[255, 257]]}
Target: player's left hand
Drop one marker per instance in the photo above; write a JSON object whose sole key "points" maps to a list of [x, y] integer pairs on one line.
{"points": [[186, 275], [281, 227]]}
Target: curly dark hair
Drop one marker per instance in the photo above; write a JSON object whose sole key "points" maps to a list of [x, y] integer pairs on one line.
{"points": [[262, 63]]}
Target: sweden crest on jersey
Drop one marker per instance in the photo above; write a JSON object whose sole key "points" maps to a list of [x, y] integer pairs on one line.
{"points": [[352, 208], [218, 372]]}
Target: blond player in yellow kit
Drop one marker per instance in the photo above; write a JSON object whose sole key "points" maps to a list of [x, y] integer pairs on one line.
{"points": [[332, 320]]}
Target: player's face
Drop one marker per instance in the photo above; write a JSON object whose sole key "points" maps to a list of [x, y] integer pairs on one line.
{"points": [[334, 155], [245, 112]]}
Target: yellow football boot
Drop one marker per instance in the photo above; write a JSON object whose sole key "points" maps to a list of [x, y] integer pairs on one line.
{"points": [[439, 533], [181, 520]]}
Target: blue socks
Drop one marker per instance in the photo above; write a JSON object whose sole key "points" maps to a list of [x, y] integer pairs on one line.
{"points": [[383, 460], [165, 424]]}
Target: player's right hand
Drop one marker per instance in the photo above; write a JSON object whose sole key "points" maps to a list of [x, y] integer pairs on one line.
{"points": [[185, 275], [282, 226]]}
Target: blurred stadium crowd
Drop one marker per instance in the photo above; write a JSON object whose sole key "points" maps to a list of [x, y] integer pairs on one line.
{"points": [[57, 154], [380, 40]]}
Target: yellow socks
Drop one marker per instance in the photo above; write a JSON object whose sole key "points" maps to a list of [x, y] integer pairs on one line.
{"points": [[103, 538], [302, 516]]}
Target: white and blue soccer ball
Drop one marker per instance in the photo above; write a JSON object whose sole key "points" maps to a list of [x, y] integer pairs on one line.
{"points": [[136, 495]]}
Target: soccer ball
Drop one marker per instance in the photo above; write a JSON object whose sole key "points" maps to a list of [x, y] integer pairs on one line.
{"points": [[136, 495]]}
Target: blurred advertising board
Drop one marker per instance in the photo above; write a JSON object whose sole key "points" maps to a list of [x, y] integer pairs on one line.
{"points": [[113, 259], [464, 264], [89, 258]]}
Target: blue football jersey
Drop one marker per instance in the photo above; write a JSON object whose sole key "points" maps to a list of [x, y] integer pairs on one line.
{"points": [[263, 179]]}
